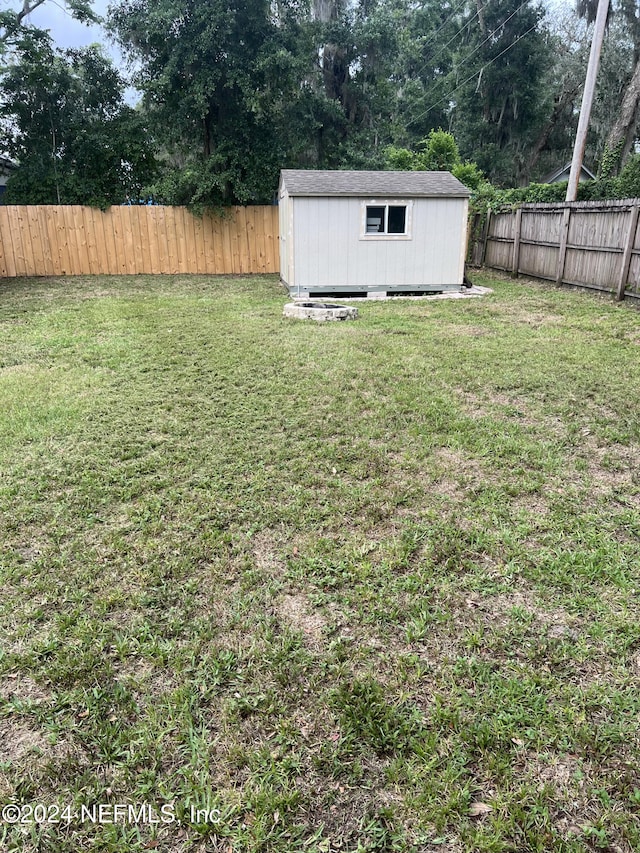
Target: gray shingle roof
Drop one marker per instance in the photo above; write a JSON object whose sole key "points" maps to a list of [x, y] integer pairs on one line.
{"points": [[301, 182]]}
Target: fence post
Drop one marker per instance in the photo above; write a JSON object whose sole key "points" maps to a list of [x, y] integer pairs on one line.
{"points": [[487, 227], [628, 250], [516, 243], [564, 237]]}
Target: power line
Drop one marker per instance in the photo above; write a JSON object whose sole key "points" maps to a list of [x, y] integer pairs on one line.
{"points": [[499, 27], [453, 38], [482, 43], [444, 24], [471, 76]]}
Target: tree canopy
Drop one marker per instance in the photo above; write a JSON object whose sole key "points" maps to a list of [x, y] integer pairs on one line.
{"points": [[65, 122], [235, 90]]}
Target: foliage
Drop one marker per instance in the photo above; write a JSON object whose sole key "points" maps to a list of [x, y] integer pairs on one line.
{"points": [[234, 91], [469, 174], [439, 152], [628, 182], [498, 106], [65, 122], [224, 86], [12, 21]]}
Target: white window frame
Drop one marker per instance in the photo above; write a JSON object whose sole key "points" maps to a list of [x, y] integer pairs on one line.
{"points": [[386, 203]]}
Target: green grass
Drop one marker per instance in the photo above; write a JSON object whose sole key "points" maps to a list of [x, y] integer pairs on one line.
{"points": [[334, 584]]}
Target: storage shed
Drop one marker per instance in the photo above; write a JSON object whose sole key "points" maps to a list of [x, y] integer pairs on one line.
{"points": [[371, 232]]}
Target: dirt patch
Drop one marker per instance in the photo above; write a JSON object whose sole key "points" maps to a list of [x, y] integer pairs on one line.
{"points": [[498, 404], [518, 313], [555, 622], [267, 550], [613, 466], [18, 740], [533, 504], [295, 609], [456, 474], [22, 688]]}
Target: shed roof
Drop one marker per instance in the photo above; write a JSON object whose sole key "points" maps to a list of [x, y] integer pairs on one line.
{"points": [[307, 182]]}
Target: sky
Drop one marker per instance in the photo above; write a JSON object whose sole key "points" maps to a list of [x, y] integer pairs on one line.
{"points": [[65, 31]]}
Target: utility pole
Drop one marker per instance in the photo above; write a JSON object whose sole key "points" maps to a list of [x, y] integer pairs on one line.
{"points": [[587, 99]]}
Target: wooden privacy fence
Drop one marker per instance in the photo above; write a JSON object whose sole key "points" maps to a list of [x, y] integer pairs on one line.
{"points": [[74, 240], [591, 244]]}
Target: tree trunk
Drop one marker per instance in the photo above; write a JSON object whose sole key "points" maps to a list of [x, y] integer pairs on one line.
{"points": [[622, 134], [559, 107]]}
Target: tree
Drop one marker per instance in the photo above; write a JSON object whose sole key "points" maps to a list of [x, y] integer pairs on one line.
{"points": [[439, 153], [623, 128], [227, 86], [497, 96], [65, 122], [13, 21]]}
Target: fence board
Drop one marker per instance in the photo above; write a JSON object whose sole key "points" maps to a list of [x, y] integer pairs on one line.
{"points": [[113, 249], [16, 227], [92, 240], [80, 239], [184, 253], [75, 240], [587, 244], [634, 275], [541, 261], [32, 232]]}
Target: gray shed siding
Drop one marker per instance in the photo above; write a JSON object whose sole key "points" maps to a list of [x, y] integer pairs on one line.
{"points": [[286, 238], [328, 250]]}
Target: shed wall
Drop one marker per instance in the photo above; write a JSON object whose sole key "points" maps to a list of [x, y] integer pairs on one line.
{"points": [[328, 251], [286, 237]]}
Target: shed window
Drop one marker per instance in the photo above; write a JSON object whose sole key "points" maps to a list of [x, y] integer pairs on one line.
{"points": [[388, 219]]}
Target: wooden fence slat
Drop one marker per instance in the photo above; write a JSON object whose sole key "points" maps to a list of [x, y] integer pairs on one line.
{"points": [[89, 216], [253, 257], [219, 225], [36, 260], [235, 240], [562, 249], [15, 228], [130, 243], [172, 240], [487, 227], [5, 248], [101, 244], [129, 240], [7, 243], [152, 237], [79, 241], [208, 236], [163, 240], [198, 239], [517, 230], [628, 249], [119, 227], [182, 260], [190, 238], [113, 248], [227, 248], [267, 228], [49, 244], [138, 245], [51, 225]]}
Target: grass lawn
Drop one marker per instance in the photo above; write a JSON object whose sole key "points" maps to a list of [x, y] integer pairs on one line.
{"points": [[368, 586]]}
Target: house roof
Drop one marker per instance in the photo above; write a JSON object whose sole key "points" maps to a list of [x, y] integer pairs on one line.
{"points": [[301, 182], [553, 176]]}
